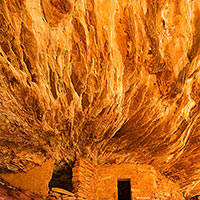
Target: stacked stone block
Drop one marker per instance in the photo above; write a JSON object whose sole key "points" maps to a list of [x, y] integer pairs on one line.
{"points": [[84, 180]]}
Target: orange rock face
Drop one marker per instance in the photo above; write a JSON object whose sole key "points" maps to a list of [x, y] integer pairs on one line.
{"points": [[8, 192], [113, 81], [36, 180]]}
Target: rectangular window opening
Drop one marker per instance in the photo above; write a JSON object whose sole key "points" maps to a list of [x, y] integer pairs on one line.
{"points": [[124, 189]]}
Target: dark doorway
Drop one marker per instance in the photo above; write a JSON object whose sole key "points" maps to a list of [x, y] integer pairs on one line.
{"points": [[62, 177], [124, 189]]}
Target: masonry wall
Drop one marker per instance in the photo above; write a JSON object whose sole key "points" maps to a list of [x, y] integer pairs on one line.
{"points": [[146, 183], [84, 180]]}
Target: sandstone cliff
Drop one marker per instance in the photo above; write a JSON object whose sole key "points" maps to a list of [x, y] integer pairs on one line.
{"points": [[113, 81]]}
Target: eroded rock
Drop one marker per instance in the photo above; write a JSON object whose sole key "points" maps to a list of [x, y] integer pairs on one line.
{"points": [[36, 180], [111, 81]]}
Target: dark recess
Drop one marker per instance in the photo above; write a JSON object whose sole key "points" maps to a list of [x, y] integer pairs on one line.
{"points": [[196, 197], [124, 189], [62, 177]]}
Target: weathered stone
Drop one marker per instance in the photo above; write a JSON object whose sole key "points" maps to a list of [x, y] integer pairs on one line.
{"points": [[113, 81], [62, 191], [7, 192], [36, 180]]}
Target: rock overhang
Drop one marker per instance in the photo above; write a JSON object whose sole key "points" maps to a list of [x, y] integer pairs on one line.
{"points": [[110, 81]]}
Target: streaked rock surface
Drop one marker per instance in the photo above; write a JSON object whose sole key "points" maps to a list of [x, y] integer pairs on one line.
{"points": [[112, 81], [7, 192], [35, 180]]}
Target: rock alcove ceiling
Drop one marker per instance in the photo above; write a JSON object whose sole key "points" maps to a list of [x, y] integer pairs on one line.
{"points": [[113, 81]]}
